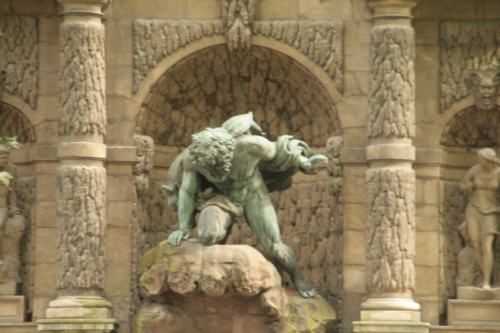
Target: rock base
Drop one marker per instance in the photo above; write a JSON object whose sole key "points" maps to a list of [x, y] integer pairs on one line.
{"points": [[222, 289]]}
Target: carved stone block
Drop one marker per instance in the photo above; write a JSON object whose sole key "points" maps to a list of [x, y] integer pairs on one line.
{"points": [[12, 308], [473, 313]]}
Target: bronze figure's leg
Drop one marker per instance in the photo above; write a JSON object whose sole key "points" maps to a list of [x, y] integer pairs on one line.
{"points": [[213, 225], [262, 218]]}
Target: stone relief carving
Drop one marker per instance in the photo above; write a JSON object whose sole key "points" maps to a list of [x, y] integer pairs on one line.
{"points": [[321, 41], [81, 235], [143, 167], [14, 123], [212, 85], [26, 198], [238, 16], [156, 39], [12, 224], [451, 215], [465, 46], [82, 104], [390, 229], [477, 126], [392, 92], [19, 56]]}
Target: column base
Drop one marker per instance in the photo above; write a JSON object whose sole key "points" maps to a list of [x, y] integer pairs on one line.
{"points": [[77, 314], [380, 315]]}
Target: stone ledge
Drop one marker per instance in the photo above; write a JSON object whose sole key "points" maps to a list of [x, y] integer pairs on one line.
{"points": [[353, 156], [390, 327], [18, 327], [94, 325], [462, 329]]}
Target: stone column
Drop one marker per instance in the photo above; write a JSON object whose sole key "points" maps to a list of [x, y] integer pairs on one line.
{"points": [[81, 177], [390, 179]]}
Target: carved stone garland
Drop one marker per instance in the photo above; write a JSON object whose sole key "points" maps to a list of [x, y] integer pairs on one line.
{"points": [[321, 41], [19, 56]]}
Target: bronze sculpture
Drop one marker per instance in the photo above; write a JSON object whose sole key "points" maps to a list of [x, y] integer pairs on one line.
{"points": [[242, 167]]}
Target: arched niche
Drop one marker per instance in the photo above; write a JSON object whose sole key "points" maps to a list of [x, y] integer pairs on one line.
{"points": [[14, 123], [212, 84]]}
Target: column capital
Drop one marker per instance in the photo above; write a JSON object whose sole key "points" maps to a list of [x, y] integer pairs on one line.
{"points": [[83, 7], [392, 9]]}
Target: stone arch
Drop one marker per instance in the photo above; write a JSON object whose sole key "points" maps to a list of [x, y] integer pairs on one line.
{"points": [[135, 108], [212, 84], [462, 114], [13, 122]]}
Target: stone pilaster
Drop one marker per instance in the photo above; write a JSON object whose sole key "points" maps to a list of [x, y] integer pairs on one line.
{"points": [[390, 180], [81, 177]]}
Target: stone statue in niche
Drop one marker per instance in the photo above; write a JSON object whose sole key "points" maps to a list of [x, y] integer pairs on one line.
{"points": [[476, 261], [477, 126], [241, 167], [12, 222]]}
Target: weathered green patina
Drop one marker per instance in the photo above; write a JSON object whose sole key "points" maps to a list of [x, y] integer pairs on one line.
{"points": [[242, 167]]}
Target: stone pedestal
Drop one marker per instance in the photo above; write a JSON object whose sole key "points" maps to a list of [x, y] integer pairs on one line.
{"points": [[473, 313], [11, 309], [475, 307], [222, 288]]}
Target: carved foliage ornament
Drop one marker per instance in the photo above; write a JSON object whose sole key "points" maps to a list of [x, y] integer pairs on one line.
{"points": [[392, 93], [81, 212], [238, 16], [466, 46], [390, 230], [19, 56], [82, 103], [321, 41]]}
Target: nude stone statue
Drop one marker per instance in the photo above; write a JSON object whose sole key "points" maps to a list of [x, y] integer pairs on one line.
{"points": [[481, 214], [12, 222], [242, 167]]}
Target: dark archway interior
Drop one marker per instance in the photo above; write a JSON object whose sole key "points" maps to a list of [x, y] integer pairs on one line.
{"points": [[210, 86]]}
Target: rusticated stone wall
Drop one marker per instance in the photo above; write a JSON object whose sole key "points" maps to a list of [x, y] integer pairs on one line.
{"points": [[14, 123], [82, 104], [465, 46], [81, 211], [392, 95], [26, 196], [321, 41], [19, 56], [213, 85], [390, 229]]}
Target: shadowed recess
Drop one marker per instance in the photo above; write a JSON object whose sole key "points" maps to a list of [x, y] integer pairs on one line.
{"points": [[212, 85]]}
